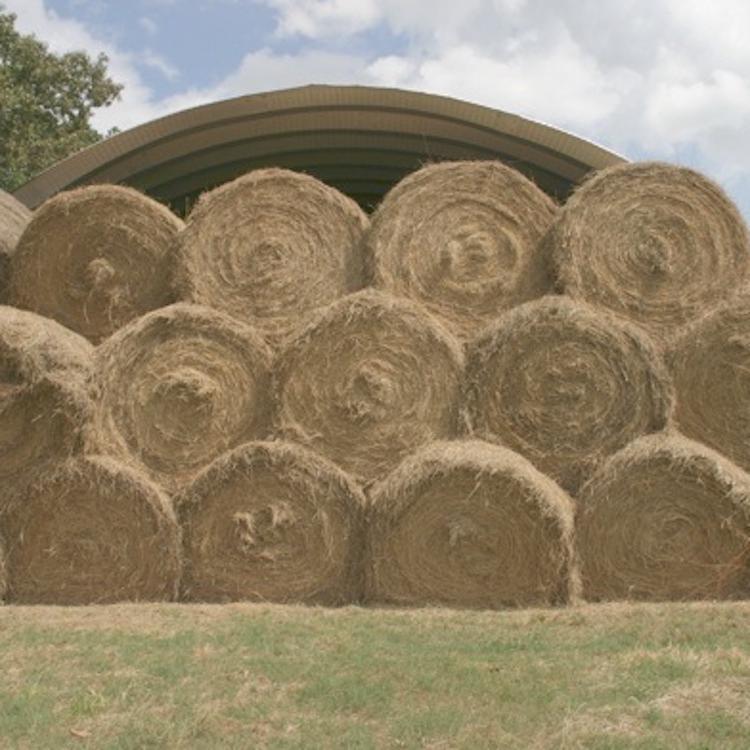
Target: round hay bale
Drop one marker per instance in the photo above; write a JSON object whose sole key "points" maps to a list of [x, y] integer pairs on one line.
{"points": [[665, 519], [710, 366], [564, 385], [90, 531], [14, 217], [94, 258], [44, 402], [3, 573], [271, 247], [178, 387], [470, 524], [272, 522], [656, 243], [462, 238], [370, 380]]}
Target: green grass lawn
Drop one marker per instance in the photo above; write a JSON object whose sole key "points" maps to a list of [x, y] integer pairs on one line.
{"points": [[257, 676]]}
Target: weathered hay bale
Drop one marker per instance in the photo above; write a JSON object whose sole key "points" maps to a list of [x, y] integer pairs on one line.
{"points": [[710, 366], [470, 524], [94, 258], [564, 385], [370, 380], [462, 238], [14, 217], [44, 403], [178, 387], [90, 531], [665, 519], [271, 247], [657, 243], [3, 573], [272, 522]]}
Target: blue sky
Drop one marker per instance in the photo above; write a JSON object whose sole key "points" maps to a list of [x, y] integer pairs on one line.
{"points": [[664, 79]]}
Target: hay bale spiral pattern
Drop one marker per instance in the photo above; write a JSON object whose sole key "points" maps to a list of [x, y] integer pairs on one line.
{"points": [[272, 522], [14, 217], [372, 379], [470, 524], [657, 243], [665, 519], [462, 239], [94, 258], [44, 401], [564, 385], [271, 247], [710, 366], [90, 531], [178, 387]]}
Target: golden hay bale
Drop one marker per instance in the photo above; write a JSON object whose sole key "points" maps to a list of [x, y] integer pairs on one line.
{"points": [[657, 243], [14, 217], [565, 385], [178, 387], [470, 524], [272, 522], [90, 530], [95, 258], [370, 380], [44, 402], [665, 519], [271, 247], [710, 366], [462, 239]]}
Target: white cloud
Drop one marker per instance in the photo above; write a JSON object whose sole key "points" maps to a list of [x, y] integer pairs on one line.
{"points": [[148, 25], [157, 62]]}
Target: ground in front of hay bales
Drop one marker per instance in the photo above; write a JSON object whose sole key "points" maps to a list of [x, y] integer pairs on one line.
{"points": [[261, 676]]}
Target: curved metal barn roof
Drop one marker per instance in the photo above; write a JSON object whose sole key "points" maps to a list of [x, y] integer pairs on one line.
{"points": [[360, 139]]}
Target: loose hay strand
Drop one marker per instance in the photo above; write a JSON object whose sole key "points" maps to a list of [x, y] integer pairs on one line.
{"points": [[470, 524], [95, 258], [271, 521], [462, 239], [665, 519], [565, 385], [371, 379], [178, 387]]}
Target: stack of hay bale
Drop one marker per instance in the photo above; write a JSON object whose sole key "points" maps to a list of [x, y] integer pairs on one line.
{"points": [[475, 398]]}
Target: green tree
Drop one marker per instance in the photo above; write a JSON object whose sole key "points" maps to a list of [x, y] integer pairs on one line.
{"points": [[46, 101]]}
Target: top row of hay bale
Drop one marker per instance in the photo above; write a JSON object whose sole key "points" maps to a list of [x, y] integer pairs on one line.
{"points": [[654, 243]]}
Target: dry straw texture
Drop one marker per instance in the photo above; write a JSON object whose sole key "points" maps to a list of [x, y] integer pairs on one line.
{"points": [[665, 519], [565, 385], [44, 403], [90, 531], [462, 238], [14, 217], [657, 243], [95, 258], [370, 380], [178, 387], [272, 522], [711, 370], [470, 524], [271, 247], [3, 573]]}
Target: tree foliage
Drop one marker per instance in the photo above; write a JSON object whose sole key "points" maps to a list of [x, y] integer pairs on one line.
{"points": [[46, 102]]}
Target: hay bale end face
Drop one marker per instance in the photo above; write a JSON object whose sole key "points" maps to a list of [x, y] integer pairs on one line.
{"points": [[370, 380], [470, 524], [565, 385], [94, 258], [657, 243], [90, 531], [272, 522], [14, 217], [44, 399], [270, 248], [178, 387], [710, 366], [462, 238], [665, 519]]}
